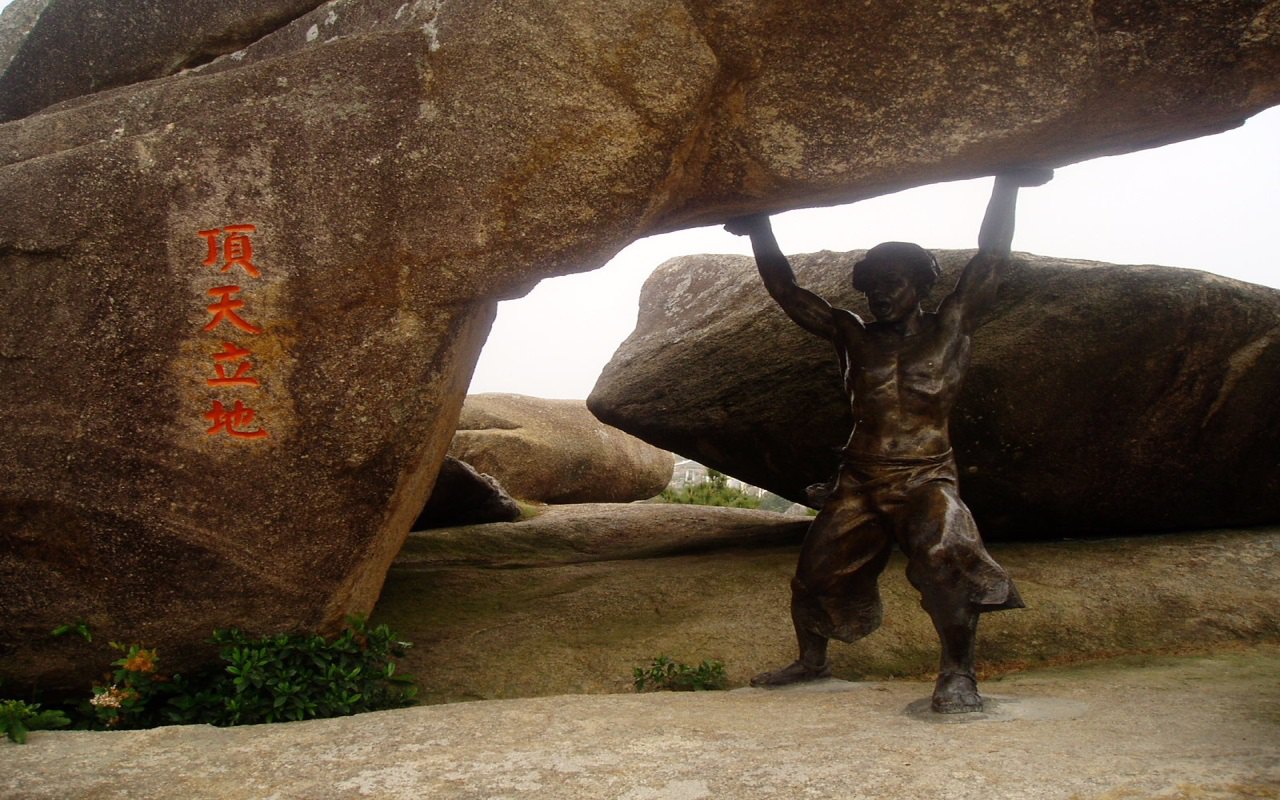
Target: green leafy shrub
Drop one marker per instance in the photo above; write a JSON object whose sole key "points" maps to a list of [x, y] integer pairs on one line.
{"points": [[268, 679], [714, 491], [663, 673], [18, 718]]}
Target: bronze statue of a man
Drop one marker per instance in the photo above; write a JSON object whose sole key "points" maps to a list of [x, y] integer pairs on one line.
{"points": [[897, 478]]}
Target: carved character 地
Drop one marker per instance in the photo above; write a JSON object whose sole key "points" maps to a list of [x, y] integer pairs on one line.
{"points": [[897, 479], [234, 421]]}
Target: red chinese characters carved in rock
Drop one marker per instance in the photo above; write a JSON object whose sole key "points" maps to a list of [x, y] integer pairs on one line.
{"points": [[225, 310], [233, 422], [236, 250], [229, 353], [230, 247]]}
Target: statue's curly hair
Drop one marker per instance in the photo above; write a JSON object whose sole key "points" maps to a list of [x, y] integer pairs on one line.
{"points": [[920, 265]]}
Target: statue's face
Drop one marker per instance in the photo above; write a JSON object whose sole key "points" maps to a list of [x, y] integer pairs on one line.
{"points": [[892, 296]]}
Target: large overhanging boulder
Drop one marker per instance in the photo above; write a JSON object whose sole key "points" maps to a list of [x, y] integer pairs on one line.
{"points": [[1101, 398], [402, 166]]}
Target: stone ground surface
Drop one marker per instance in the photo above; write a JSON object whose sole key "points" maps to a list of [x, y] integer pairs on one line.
{"points": [[1189, 728], [569, 602]]}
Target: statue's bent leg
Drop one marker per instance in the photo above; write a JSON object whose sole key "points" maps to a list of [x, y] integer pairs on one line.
{"points": [[834, 593], [957, 580]]}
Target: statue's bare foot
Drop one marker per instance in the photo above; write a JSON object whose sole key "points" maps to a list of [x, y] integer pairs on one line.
{"points": [[795, 672], [956, 693]]}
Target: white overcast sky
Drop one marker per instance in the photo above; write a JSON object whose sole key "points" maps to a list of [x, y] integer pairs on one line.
{"points": [[1211, 203]]}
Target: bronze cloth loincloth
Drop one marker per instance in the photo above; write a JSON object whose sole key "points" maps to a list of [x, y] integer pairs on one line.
{"points": [[876, 502]]}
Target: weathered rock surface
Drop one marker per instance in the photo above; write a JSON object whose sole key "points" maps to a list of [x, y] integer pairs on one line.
{"points": [[123, 504], [1101, 398], [817, 113], [554, 451], [463, 496], [573, 599], [54, 50], [1202, 727], [405, 165], [587, 532]]}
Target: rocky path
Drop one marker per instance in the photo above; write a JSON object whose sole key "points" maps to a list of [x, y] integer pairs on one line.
{"points": [[1203, 727]]}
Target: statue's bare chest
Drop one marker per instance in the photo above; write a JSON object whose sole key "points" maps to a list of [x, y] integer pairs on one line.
{"points": [[886, 367]]}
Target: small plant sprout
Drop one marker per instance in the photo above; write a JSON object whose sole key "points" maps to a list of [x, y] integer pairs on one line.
{"points": [[78, 627], [18, 718], [665, 674]]}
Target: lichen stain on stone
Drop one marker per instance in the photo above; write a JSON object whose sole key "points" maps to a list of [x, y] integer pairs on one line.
{"points": [[783, 142]]}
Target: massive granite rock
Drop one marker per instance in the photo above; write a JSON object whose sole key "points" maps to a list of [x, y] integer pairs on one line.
{"points": [[1101, 398], [391, 168], [555, 451]]}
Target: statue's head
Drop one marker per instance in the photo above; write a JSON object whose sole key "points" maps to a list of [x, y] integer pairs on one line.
{"points": [[912, 260], [895, 277]]}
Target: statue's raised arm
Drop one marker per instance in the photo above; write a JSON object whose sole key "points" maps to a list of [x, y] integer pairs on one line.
{"points": [[976, 289], [805, 308]]}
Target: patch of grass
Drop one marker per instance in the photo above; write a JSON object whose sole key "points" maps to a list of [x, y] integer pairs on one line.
{"points": [[529, 510], [673, 676]]}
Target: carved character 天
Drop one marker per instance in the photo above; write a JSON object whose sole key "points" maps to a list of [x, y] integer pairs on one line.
{"points": [[224, 310]]}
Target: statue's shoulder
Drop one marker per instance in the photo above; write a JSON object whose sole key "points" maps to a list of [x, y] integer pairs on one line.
{"points": [[850, 328], [843, 316]]}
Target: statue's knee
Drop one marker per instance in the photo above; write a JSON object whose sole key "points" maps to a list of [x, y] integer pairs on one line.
{"points": [[937, 573], [924, 563]]}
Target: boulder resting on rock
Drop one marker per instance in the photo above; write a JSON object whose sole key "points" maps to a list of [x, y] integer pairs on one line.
{"points": [[554, 451], [1100, 399]]}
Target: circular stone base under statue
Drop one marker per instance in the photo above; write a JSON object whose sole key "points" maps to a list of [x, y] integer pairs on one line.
{"points": [[1002, 709]]}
